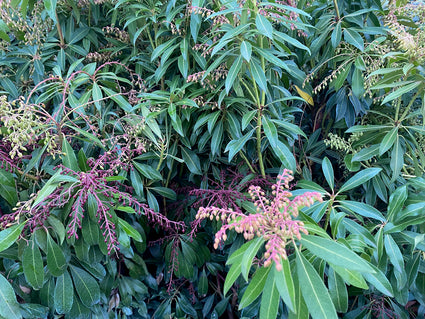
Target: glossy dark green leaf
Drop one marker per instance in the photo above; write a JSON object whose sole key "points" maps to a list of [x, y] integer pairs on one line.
{"points": [[56, 262], [354, 38], [203, 284], [396, 203], [397, 158], [192, 161], [285, 285], [363, 209], [315, 294], [259, 75], [399, 92], [336, 35], [359, 179], [86, 286], [288, 39], [337, 291], [255, 287], [249, 255], [8, 187], [50, 6], [394, 253], [246, 50], [235, 146], [233, 73], [335, 253], [63, 294], [9, 235], [366, 153], [147, 171], [233, 274], [270, 131], [32, 264], [9, 306], [90, 231], [264, 26], [388, 140], [379, 281], [270, 299], [328, 172]]}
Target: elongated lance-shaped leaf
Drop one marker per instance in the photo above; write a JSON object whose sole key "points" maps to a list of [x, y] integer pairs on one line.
{"points": [[32, 264], [264, 26], [233, 73], [285, 284], [316, 296], [249, 255], [328, 171], [255, 287], [232, 275], [335, 253], [9, 307], [64, 293], [270, 299], [359, 178], [86, 286], [56, 262], [235, 146], [380, 282], [9, 235], [337, 291], [388, 140]]}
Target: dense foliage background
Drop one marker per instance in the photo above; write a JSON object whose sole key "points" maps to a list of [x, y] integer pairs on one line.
{"points": [[206, 159]]}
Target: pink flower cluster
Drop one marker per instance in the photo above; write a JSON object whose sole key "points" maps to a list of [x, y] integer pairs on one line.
{"points": [[273, 220]]}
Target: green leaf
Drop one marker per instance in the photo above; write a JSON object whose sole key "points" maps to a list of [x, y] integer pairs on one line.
{"points": [[380, 282], [97, 96], [285, 156], [271, 132], [283, 37], [354, 38], [259, 76], [394, 253], [403, 90], [56, 262], [249, 255], [335, 253], [397, 159], [396, 202], [90, 231], [9, 235], [63, 294], [337, 291], [270, 299], [86, 286], [246, 50], [285, 284], [235, 146], [8, 187], [363, 209], [315, 294], [255, 287], [366, 153], [341, 77], [32, 264], [237, 255], [50, 6], [328, 171], [336, 35], [192, 161], [165, 192], [233, 73], [357, 83], [9, 306], [232, 275], [147, 171], [359, 178], [57, 227], [388, 140], [351, 277], [264, 26], [129, 230]]}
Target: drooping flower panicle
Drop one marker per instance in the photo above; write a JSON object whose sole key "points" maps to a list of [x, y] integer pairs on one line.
{"points": [[274, 219]]}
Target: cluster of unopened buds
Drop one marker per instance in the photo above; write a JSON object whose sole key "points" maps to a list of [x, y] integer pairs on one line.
{"points": [[209, 81], [217, 20], [274, 220], [117, 33]]}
